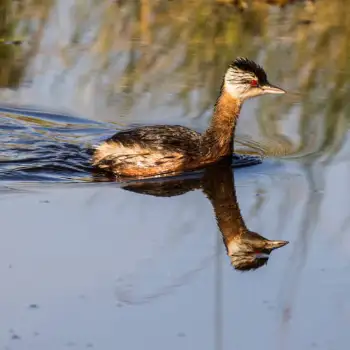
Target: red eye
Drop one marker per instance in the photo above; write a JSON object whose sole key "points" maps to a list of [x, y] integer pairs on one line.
{"points": [[254, 83]]}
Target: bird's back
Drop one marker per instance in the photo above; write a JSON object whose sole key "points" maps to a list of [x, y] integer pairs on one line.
{"points": [[148, 150]]}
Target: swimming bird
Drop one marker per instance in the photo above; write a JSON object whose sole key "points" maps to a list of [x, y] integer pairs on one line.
{"points": [[149, 151]]}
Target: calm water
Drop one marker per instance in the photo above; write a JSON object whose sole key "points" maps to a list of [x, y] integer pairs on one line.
{"points": [[87, 264]]}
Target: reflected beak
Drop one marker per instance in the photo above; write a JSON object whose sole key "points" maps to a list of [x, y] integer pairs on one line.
{"points": [[270, 89], [276, 244]]}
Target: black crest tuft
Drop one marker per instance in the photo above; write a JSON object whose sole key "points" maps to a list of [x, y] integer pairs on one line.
{"points": [[247, 65]]}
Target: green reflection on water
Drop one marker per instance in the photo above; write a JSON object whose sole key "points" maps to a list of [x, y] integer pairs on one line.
{"points": [[175, 52]]}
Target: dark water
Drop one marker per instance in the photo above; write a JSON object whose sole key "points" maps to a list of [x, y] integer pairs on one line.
{"points": [[39, 146], [88, 264]]}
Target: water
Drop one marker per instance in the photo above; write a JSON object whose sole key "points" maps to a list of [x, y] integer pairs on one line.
{"points": [[88, 264]]}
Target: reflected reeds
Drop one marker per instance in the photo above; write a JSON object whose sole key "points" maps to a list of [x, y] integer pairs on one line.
{"points": [[22, 26], [167, 53]]}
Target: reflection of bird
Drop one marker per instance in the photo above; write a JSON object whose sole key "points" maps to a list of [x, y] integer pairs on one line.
{"points": [[164, 149], [246, 249]]}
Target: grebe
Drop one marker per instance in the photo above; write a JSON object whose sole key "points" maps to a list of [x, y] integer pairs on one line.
{"points": [[246, 249], [163, 149]]}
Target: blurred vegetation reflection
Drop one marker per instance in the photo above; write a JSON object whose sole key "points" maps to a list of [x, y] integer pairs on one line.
{"points": [[174, 53], [19, 20]]}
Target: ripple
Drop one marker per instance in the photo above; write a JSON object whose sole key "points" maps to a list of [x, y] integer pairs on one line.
{"points": [[39, 146], [43, 146]]}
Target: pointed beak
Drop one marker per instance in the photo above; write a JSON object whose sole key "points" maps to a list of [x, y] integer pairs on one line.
{"points": [[271, 89], [276, 244]]}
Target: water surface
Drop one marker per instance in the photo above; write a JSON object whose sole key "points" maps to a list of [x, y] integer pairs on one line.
{"points": [[92, 265]]}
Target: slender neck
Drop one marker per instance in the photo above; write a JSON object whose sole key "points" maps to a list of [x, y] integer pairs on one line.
{"points": [[217, 141], [218, 185]]}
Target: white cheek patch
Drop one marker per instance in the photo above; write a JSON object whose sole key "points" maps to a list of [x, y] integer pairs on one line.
{"points": [[232, 90], [234, 83]]}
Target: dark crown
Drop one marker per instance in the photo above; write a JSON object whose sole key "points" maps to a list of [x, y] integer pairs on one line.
{"points": [[246, 65]]}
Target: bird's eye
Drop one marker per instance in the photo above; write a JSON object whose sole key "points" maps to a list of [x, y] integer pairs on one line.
{"points": [[254, 83]]}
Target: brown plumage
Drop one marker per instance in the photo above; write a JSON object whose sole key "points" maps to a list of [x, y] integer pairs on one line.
{"points": [[165, 149], [246, 249]]}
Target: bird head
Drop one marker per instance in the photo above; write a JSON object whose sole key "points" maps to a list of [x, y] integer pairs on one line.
{"points": [[246, 79]]}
